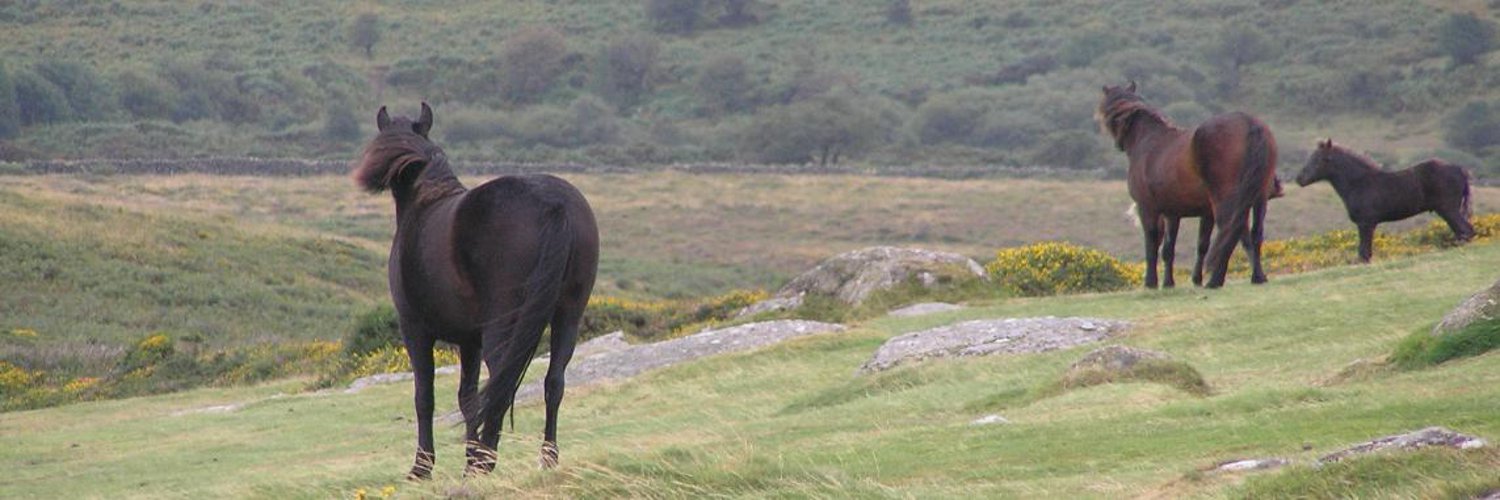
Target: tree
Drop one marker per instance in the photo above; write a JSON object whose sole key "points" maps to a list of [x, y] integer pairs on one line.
{"points": [[10, 123], [1465, 37], [530, 62], [1236, 48], [898, 13], [674, 16], [1474, 127], [627, 68], [364, 33], [723, 84], [822, 130]]}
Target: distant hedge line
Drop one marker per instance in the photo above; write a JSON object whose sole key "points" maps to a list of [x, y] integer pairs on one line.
{"points": [[277, 167]]}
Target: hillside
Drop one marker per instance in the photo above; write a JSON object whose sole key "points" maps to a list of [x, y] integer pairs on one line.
{"points": [[795, 421], [944, 82]]}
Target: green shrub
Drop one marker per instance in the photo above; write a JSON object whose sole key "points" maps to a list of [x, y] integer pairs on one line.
{"points": [[1465, 37], [374, 329], [147, 352], [1051, 268]]}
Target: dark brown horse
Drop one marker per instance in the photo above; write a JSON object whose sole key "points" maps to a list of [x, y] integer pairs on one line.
{"points": [[1373, 196], [486, 269], [1222, 171]]}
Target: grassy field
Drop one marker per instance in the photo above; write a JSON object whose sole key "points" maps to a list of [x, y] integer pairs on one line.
{"points": [[795, 421]]}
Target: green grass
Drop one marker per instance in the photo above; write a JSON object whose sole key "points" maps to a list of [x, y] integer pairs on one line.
{"points": [[1421, 349], [794, 420]]}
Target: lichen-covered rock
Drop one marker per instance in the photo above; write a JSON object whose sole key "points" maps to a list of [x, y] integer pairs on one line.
{"points": [[853, 276], [992, 336], [1483, 305], [1249, 464], [1431, 436]]}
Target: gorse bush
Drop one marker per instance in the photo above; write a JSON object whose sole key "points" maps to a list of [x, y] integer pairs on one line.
{"points": [[375, 329], [1051, 268]]}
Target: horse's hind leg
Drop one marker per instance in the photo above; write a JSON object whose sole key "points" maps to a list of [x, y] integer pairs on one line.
{"points": [[1462, 230], [1151, 228], [1169, 251], [1205, 235], [419, 351], [1254, 237], [468, 403], [564, 339]]}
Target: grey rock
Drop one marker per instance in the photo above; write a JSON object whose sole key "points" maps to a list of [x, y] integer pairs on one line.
{"points": [[992, 336], [925, 308], [634, 360], [771, 305], [1116, 358], [1483, 305], [1249, 464], [991, 419], [362, 383], [607, 343], [1431, 436], [853, 276]]}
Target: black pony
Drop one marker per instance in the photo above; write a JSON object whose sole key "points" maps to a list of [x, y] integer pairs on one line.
{"points": [[486, 269], [1373, 196]]}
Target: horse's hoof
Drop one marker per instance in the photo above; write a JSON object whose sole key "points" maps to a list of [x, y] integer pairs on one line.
{"points": [[1259, 280], [421, 469], [548, 456], [481, 460]]}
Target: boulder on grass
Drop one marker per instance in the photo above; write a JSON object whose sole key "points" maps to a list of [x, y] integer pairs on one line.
{"points": [[991, 336], [1431, 436], [1119, 363], [1484, 305], [851, 277]]}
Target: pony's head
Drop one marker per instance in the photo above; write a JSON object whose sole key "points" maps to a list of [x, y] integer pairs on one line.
{"points": [[1118, 109], [400, 150], [1328, 158]]}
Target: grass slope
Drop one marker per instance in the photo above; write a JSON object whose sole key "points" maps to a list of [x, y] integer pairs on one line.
{"points": [[748, 425]]}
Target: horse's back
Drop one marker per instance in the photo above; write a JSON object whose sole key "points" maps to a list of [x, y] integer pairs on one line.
{"points": [[1222, 144], [500, 226]]}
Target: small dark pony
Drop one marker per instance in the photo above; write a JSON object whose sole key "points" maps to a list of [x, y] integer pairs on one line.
{"points": [[1373, 196], [1223, 171], [486, 269]]}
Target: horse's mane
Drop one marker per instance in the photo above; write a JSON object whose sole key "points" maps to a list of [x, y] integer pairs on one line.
{"points": [[389, 154], [1120, 112], [1345, 156]]}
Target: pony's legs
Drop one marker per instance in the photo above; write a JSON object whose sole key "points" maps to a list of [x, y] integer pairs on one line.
{"points": [[1222, 246], [1169, 251], [1462, 229], [564, 338], [468, 402], [419, 352], [1366, 241], [1151, 229], [1205, 235], [1255, 235]]}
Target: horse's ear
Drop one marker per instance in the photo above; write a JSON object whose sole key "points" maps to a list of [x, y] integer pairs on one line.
{"points": [[1131, 88], [424, 123], [1325, 143], [382, 119]]}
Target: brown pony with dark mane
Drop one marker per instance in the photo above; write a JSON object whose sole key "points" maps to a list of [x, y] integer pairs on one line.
{"points": [[1222, 171], [486, 269], [1373, 196]]}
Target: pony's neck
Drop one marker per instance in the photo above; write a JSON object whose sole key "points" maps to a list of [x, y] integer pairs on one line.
{"points": [[435, 183], [1349, 170], [1144, 127]]}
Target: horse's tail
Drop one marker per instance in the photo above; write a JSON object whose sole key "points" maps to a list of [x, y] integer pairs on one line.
{"points": [[542, 291], [1233, 215], [1467, 208], [1256, 166]]}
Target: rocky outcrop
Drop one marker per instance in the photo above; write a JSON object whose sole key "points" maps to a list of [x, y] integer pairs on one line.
{"points": [[1484, 305], [851, 277], [1119, 364], [631, 360], [1431, 436], [992, 336]]}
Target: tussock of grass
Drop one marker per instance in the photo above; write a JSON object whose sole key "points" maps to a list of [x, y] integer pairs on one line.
{"points": [[1421, 349], [1430, 473], [1173, 373]]}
